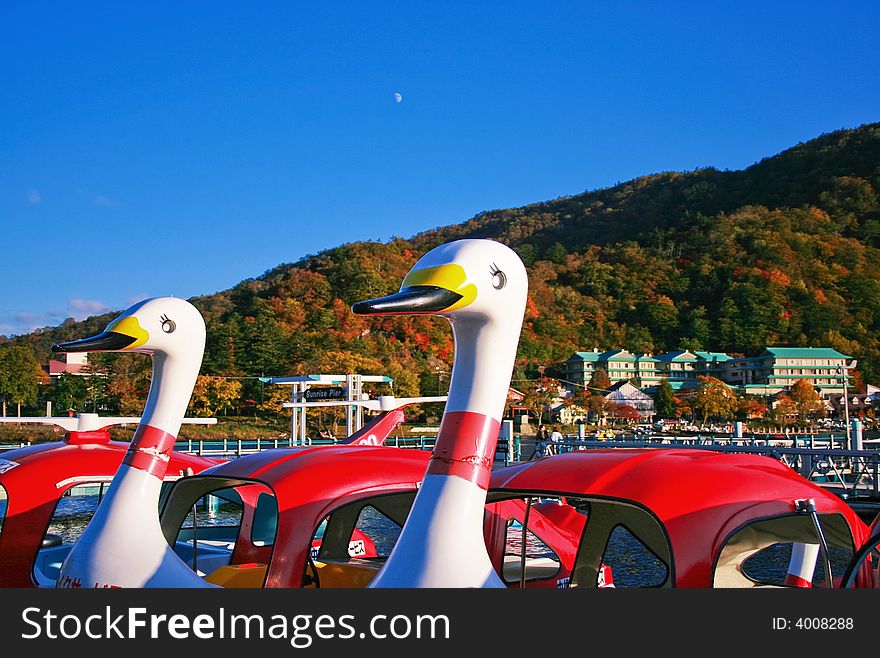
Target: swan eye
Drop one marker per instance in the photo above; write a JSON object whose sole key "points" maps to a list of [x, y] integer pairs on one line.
{"points": [[499, 278], [168, 326]]}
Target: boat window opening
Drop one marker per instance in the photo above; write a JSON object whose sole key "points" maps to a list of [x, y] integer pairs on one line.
{"points": [[377, 529], [350, 545], [631, 562], [865, 571], [209, 532], [625, 542], [73, 511], [777, 553], [532, 560], [533, 538], [265, 520], [524, 540], [3, 504], [368, 528], [224, 514]]}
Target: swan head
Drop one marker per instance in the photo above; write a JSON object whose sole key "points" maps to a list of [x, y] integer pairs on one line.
{"points": [[480, 279], [166, 325]]}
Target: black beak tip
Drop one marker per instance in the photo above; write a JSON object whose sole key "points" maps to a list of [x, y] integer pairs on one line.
{"points": [[362, 308], [107, 341], [411, 300]]}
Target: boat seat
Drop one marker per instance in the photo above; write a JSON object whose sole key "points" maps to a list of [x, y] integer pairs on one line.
{"points": [[354, 573], [537, 568], [239, 576]]}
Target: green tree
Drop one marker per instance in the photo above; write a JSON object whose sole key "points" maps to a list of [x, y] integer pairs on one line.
{"points": [[128, 382], [556, 253], [71, 392], [699, 330], [664, 400], [20, 376]]}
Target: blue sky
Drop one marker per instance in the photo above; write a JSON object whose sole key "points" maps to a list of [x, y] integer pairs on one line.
{"points": [[180, 147]]}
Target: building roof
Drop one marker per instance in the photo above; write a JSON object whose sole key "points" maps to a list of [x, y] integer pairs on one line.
{"points": [[714, 356], [629, 391], [586, 356], [677, 355], [609, 355], [805, 353], [60, 367]]}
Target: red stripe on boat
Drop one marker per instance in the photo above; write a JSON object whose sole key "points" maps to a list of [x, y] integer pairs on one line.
{"points": [[793, 580], [465, 447], [155, 442]]}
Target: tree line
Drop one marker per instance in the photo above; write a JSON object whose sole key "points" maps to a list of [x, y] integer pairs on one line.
{"points": [[786, 252]]}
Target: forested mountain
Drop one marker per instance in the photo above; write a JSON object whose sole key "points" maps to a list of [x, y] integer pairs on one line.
{"points": [[785, 252]]}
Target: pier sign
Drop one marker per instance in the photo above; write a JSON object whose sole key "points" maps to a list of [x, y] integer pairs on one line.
{"points": [[325, 393]]}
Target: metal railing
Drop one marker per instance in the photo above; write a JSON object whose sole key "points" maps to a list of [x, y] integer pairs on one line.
{"points": [[14, 446], [848, 473], [231, 448]]}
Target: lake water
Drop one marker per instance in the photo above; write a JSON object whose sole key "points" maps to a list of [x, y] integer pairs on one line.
{"points": [[632, 564]]}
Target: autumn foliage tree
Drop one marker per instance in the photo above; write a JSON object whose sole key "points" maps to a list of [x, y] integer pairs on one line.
{"points": [[538, 396], [749, 408], [600, 381], [20, 376], [214, 395], [805, 398], [784, 252], [784, 410], [623, 412], [714, 399], [128, 382]]}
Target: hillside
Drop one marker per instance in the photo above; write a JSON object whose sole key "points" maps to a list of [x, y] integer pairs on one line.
{"points": [[785, 252]]}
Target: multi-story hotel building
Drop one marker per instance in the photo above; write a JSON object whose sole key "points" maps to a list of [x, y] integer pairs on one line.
{"points": [[770, 372]]}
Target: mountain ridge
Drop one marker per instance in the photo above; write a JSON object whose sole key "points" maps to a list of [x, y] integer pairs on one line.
{"points": [[785, 251]]}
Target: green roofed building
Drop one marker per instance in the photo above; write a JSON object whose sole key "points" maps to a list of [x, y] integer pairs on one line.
{"points": [[778, 368], [679, 366], [619, 364], [770, 372], [711, 364]]}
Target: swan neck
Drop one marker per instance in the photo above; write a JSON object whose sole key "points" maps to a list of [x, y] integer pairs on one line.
{"points": [[170, 389], [485, 351]]}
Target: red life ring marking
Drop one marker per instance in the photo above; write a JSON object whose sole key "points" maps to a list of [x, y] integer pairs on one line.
{"points": [[150, 450], [465, 447]]}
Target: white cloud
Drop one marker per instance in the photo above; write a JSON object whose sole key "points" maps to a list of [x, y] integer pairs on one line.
{"points": [[104, 202], [83, 308], [23, 322], [33, 197], [131, 301]]}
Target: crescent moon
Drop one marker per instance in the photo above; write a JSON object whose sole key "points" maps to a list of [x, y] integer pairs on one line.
{"points": [[398, 97]]}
